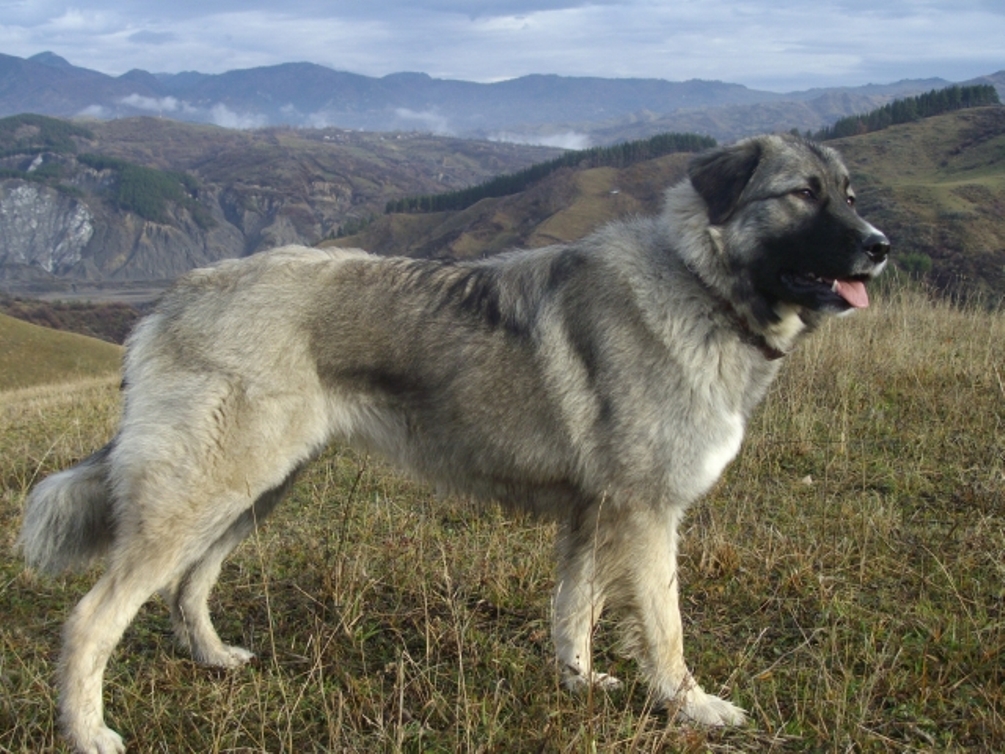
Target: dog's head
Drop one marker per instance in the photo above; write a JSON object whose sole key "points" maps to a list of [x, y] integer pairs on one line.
{"points": [[783, 212]]}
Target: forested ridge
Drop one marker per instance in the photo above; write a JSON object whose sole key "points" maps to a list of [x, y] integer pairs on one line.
{"points": [[909, 109], [618, 156]]}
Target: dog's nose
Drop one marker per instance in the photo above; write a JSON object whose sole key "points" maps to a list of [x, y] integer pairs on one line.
{"points": [[877, 246]]}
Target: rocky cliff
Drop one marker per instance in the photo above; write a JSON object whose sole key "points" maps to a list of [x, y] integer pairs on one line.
{"points": [[146, 200], [41, 228]]}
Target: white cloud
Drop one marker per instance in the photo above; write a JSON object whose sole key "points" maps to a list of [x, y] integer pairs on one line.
{"points": [[427, 121], [567, 140], [221, 115], [153, 104]]}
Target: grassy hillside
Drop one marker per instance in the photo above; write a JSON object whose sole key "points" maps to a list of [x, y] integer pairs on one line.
{"points": [[563, 207], [33, 355], [111, 321], [843, 582], [374, 166], [935, 186]]}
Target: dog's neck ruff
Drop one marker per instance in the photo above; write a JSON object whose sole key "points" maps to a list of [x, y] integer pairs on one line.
{"points": [[747, 335], [743, 328]]}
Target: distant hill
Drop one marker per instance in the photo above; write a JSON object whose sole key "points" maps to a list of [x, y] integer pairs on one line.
{"points": [[557, 110], [145, 199], [936, 187], [564, 206], [111, 322], [33, 355]]}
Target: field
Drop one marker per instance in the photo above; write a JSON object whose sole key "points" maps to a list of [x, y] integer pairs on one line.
{"points": [[844, 582], [33, 355]]}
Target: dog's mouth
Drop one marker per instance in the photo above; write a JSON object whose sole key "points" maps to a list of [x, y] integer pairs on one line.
{"points": [[824, 292]]}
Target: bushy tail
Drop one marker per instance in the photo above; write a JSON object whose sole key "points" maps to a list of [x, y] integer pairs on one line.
{"points": [[68, 517]]}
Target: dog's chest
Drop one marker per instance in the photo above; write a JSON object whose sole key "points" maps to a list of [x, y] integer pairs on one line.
{"points": [[719, 449]]}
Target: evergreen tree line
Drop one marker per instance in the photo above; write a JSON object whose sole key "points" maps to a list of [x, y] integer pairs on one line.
{"points": [[618, 155], [935, 102], [32, 134], [146, 191]]}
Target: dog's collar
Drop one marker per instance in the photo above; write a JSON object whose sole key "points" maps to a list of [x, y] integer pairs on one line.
{"points": [[746, 332], [747, 335]]}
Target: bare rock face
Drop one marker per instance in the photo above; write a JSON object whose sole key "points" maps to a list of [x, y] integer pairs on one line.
{"points": [[42, 227], [145, 200]]}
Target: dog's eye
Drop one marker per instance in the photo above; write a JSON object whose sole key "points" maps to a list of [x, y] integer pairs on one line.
{"points": [[851, 201], [807, 194]]}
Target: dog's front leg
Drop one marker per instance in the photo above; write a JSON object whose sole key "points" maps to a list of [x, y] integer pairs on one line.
{"points": [[580, 589], [652, 537]]}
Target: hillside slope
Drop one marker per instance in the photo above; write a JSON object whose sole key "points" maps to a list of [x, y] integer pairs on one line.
{"points": [[563, 207], [936, 187], [69, 211], [33, 355]]}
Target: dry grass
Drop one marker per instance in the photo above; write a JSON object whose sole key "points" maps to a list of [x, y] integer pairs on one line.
{"points": [[844, 583], [34, 355]]}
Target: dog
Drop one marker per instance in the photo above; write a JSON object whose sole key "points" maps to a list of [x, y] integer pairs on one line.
{"points": [[605, 383]]}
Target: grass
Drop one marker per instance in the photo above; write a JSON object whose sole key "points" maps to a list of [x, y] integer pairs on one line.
{"points": [[844, 582], [33, 355]]}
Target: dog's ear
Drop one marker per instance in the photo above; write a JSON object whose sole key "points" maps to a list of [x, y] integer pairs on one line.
{"points": [[720, 175]]}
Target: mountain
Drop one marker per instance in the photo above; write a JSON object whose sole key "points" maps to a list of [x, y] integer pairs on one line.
{"points": [[49, 85], [134, 200], [550, 109], [936, 187]]}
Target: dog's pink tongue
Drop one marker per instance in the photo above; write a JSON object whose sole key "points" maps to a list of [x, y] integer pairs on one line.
{"points": [[852, 291]]}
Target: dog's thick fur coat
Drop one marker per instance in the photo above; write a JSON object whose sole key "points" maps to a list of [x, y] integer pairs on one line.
{"points": [[605, 383]]}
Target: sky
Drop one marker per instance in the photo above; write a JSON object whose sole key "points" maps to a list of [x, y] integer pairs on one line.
{"points": [[778, 45]]}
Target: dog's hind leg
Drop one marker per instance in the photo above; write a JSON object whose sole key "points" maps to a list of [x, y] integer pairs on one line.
{"points": [[172, 520], [188, 597], [580, 592], [136, 570], [649, 544]]}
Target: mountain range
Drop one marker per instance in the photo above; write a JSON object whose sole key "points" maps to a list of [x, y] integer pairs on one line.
{"points": [[544, 109]]}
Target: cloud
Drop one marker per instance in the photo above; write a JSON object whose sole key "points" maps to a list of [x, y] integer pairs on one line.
{"points": [[94, 111], [153, 104], [567, 140], [221, 115], [428, 121]]}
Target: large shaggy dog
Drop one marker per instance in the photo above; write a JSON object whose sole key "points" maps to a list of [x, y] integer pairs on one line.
{"points": [[605, 383]]}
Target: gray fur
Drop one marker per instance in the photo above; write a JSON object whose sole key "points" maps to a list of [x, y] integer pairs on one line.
{"points": [[605, 383], [68, 518]]}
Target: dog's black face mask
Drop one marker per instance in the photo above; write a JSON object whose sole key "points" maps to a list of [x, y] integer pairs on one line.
{"points": [[812, 249], [824, 263]]}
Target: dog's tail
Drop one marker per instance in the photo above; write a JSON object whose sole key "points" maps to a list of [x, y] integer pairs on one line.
{"points": [[68, 517]]}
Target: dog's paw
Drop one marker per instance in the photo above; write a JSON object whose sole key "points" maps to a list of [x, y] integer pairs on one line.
{"points": [[97, 740], [576, 681], [225, 656], [697, 706]]}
